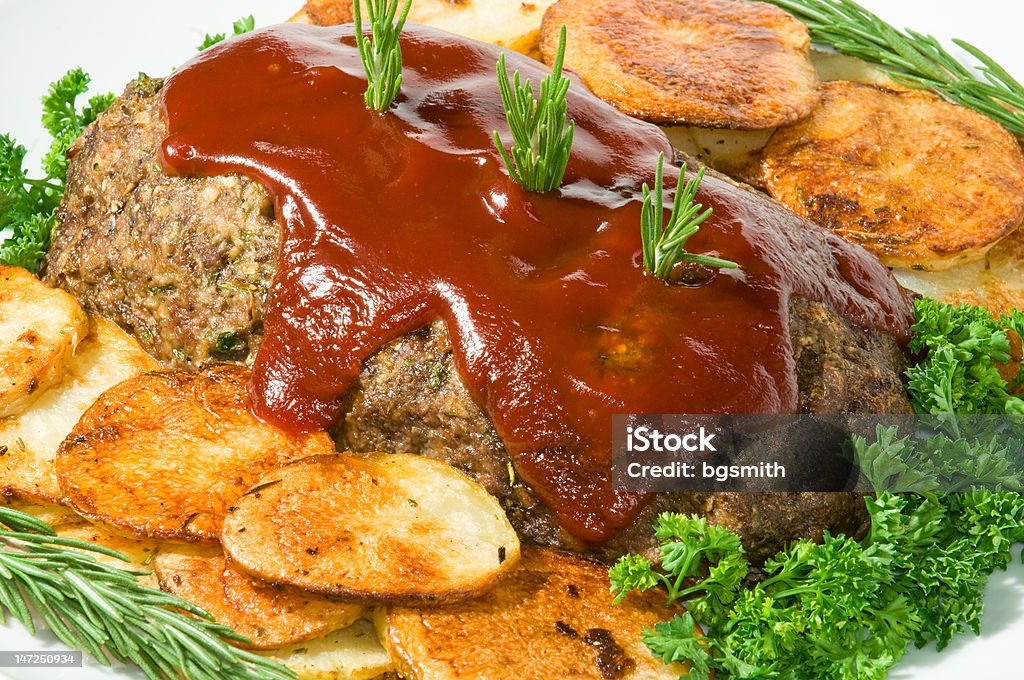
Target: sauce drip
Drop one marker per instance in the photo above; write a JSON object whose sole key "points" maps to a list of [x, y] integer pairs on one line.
{"points": [[390, 221]]}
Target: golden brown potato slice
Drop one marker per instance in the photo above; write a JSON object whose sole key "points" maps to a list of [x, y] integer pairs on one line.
{"points": [[270, 616], [165, 454], [922, 183], [39, 330], [351, 653], [737, 153], [509, 23], [551, 618], [140, 553], [713, 63], [385, 528], [30, 440]]}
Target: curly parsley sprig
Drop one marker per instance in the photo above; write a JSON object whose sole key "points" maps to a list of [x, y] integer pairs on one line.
{"points": [[665, 245], [958, 455], [243, 25], [104, 611], [914, 59], [838, 609], [28, 205], [967, 353], [382, 54], [541, 137]]}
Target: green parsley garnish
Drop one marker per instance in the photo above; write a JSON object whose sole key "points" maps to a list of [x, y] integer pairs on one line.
{"points": [[970, 454], [665, 245], [965, 348], [541, 138], [243, 25], [836, 609], [914, 59], [27, 205], [381, 55], [104, 610]]}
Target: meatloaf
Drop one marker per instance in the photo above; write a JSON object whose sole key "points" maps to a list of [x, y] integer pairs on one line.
{"points": [[185, 264]]}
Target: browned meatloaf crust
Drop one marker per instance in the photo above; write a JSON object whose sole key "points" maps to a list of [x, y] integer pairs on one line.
{"points": [[184, 264]]}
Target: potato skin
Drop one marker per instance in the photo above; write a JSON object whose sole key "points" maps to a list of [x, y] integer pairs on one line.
{"points": [[166, 453], [553, 617], [387, 528], [712, 63], [920, 182]]}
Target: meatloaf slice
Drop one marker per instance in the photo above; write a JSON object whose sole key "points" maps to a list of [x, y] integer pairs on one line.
{"points": [[184, 264]]}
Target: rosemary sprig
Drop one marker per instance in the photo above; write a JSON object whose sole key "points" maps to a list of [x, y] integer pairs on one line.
{"points": [[665, 246], [104, 611], [541, 138], [914, 59], [381, 55]]}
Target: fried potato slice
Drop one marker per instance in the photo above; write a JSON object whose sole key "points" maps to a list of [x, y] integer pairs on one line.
{"points": [[514, 25], [995, 283], [351, 653], [920, 182], [737, 153], [30, 440], [384, 528], [270, 616], [140, 552], [553, 617], [713, 63], [39, 330], [165, 454]]}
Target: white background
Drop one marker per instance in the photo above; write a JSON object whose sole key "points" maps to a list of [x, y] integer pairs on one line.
{"points": [[115, 39]]}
